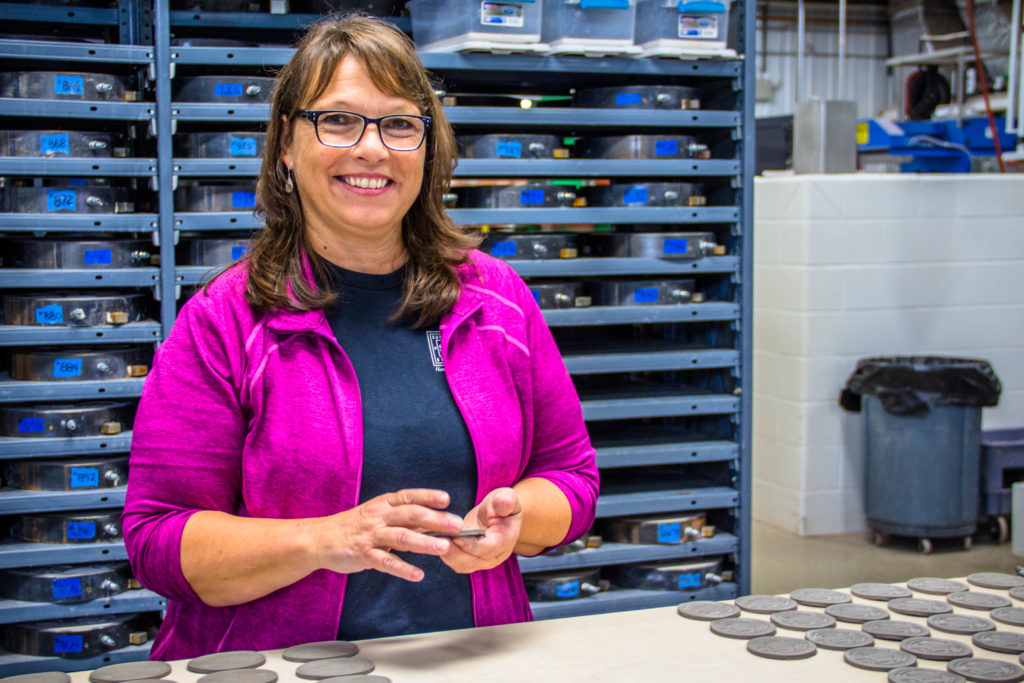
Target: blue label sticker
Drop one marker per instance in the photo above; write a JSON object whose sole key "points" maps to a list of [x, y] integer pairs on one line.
{"points": [[82, 477], [238, 251], [503, 249], [66, 588], [31, 425], [509, 148], [691, 580], [67, 644], [81, 530], [98, 257], [243, 200], [50, 315], [242, 147], [669, 533], [61, 200], [666, 147], [531, 197], [536, 296], [76, 181], [227, 89], [635, 195], [626, 98], [645, 295], [568, 590], [68, 85], [67, 367], [674, 245], [54, 144]]}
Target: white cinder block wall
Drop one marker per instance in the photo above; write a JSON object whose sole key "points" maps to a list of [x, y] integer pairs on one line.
{"points": [[849, 266]]}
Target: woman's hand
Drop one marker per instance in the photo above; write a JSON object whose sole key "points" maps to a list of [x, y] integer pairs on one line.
{"points": [[363, 537], [501, 514]]}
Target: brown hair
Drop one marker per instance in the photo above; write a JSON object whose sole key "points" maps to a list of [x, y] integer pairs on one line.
{"points": [[433, 242]]}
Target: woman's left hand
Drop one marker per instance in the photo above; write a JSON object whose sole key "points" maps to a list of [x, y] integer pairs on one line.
{"points": [[501, 514]]}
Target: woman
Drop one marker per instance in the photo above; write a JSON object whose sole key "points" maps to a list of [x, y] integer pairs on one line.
{"points": [[362, 386]]}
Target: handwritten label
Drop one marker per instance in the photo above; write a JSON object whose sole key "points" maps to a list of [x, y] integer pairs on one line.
{"points": [[674, 245], [666, 147], [68, 85], [61, 200], [81, 531], [624, 99], [645, 295], [635, 195], [54, 144], [227, 89], [50, 315], [82, 477], [243, 200], [98, 257], [67, 367], [31, 425], [67, 644], [239, 251], [509, 148], [531, 197], [503, 249], [692, 580], [66, 588], [242, 147], [669, 533], [568, 590]]}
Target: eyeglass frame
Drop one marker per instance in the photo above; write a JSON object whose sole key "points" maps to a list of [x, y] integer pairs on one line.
{"points": [[313, 116]]}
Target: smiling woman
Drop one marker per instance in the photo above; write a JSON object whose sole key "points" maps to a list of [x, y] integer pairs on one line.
{"points": [[370, 386]]}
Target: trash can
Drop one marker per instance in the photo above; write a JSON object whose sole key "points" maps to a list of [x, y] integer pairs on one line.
{"points": [[922, 417]]}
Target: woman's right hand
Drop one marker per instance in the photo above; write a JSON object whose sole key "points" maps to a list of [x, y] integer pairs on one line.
{"points": [[363, 537]]}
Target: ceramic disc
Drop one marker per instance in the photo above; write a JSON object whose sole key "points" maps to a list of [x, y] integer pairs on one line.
{"points": [[338, 666], [986, 670], [706, 610], [224, 661], [878, 658], [325, 649], [977, 600], [764, 604], [856, 614], [916, 675], [996, 580], [887, 629], [1000, 641], [240, 676], [1014, 616], [802, 620], [882, 592], [918, 607], [819, 597], [963, 624], [779, 647], [742, 628], [839, 638], [130, 671], [44, 677], [936, 586], [938, 649]]}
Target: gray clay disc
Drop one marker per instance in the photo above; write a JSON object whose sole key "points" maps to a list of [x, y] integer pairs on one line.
{"points": [[240, 676], [856, 614], [963, 624], [742, 628], [879, 591], [224, 661], [918, 607], [819, 597], [977, 600], [938, 649], [916, 675], [986, 670], [706, 610], [839, 638], [887, 629], [325, 649], [1014, 616], [802, 620], [337, 666], [44, 677], [996, 580], [1017, 593], [130, 671], [780, 647], [1000, 641], [936, 586], [373, 678], [878, 658], [765, 604]]}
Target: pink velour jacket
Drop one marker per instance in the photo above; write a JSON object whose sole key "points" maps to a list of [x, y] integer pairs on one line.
{"points": [[260, 416]]}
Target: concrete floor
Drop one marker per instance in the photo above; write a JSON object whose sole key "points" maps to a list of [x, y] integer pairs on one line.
{"points": [[782, 561]]}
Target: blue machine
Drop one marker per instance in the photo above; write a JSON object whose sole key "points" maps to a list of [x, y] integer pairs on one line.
{"points": [[934, 146]]}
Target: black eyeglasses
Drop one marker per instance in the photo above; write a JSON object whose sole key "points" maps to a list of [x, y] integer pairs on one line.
{"points": [[398, 132]]}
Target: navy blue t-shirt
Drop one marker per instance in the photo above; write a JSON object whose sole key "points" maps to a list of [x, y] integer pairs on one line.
{"points": [[413, 437]]}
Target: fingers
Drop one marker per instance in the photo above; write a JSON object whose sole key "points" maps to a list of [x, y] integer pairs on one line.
{"points": [[431, 498], [383, 561], [501, 503], [400, 538]]}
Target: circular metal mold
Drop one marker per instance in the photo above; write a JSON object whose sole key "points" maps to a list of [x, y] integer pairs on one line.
{"points": [[819, 597], [45, 677], [978, 600], [240, 676], [765, 604], [224, 661], [856, 614], [324, 649], [936, 586], [986, 670], [918, 607], [962, 624], [780, 647], [336, 666], [1017, 593], [802, 620], [878, 658], [999, 641], [887, 629], [996, 580], [1014, 616], [706, 610], [882, 592], [915, 675], [938, 649], [130, 671], [839, 638], [742, 628]]}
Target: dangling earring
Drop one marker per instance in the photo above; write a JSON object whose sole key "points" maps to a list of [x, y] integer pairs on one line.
{"points": [[289, 184]]}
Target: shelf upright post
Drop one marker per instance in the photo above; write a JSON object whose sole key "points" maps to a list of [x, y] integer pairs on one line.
{"points": [[165, 164]]}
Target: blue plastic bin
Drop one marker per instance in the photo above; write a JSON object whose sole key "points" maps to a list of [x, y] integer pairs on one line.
{"points": [[1002, 464], [509, 21], [589, 20]]}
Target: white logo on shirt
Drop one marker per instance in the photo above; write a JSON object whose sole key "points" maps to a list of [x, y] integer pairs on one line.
{"points": [[434, 344]]}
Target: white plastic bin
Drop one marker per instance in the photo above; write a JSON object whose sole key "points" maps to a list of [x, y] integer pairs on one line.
{"points": [[439, 25], [682, 24], [589, 25]]}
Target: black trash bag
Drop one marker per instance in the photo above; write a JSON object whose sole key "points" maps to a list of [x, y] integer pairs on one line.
{"points": [[912, 385]]}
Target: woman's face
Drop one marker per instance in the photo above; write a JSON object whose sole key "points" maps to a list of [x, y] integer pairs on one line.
{"points": [[356, 194]]}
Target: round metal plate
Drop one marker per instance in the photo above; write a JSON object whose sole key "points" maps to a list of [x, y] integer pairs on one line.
{"points": [[240, 676], [224, 661], [856, 614], [764, 604], [882, 592], [916, 675], [918, 607], [337, 666], [963, 624], [801, 620], [888, 629], [130, 671], [324, 649], [939, 649], [779, 647], [45, 677], [977, 600], [1000, 641], [996, 580], [878, 658], [986, 670], [839, 638], [1014, 616], [742, 628], [706, 610], [819, 597], [936, 586]]}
